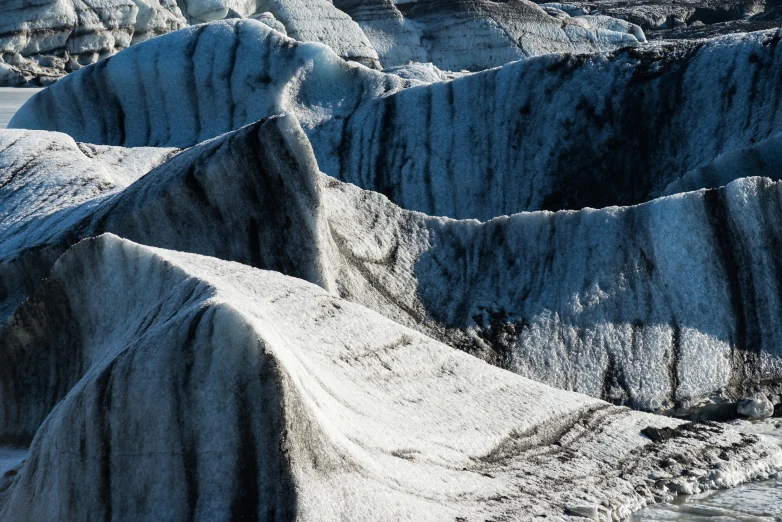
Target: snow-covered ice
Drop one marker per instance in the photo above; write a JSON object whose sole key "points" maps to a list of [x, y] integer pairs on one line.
{"points": [[198, 389], [596, 301], [255, 268]]}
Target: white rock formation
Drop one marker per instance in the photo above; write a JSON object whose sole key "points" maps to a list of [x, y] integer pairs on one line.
{"points": [[43, 39], [478, 34], [189, 388]]}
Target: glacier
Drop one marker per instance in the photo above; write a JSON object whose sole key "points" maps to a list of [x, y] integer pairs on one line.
{"points": [[373, 259], [487, 144], [42, 41], [204, 390], [618, 324]]}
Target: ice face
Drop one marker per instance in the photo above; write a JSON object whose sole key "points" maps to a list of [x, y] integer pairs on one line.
{"points": [[198, 378]]}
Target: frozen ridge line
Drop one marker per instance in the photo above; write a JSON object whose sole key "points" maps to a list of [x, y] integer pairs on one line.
{"points": [[41, 40], [188, 388], [615, 129], [596, 301]]}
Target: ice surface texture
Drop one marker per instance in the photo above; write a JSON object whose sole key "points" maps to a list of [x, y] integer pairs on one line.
{"points": [[196, 389], [597, 301], [290, 355], [41, 40], [553, 132]]}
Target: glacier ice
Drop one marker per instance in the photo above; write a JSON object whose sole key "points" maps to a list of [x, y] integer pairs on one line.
{"points": [[660, 15], [256, 267], [486, 144], [266, 198], [565, 132], [758, 406], [44, 39], [211, 79], [40, 40], [596, 301], [477, 34], [191, 388], [45, 181]]}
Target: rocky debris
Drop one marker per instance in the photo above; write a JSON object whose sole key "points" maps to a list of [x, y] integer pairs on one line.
{"points": [[756, 407], [196, 389], [658, 435]]}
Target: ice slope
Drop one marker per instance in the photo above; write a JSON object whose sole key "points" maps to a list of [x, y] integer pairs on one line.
{"points": [[182, 387], [41, 40], [552, 132], [479, 34], [46, 183], [657, 306], [200, 82], [303, 20], [249, 197], [561, 131]]}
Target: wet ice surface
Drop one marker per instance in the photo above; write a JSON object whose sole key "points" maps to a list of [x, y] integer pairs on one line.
{"points": [[755, 502], [10, 101]]}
